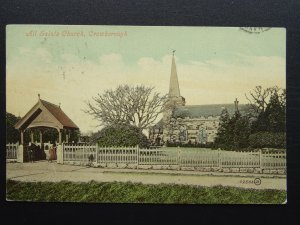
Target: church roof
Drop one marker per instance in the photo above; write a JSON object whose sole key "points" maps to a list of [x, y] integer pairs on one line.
{"points": [[196, 111], [59, 118]]}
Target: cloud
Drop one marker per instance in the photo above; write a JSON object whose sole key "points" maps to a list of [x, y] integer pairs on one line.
{"points": [[70, 58], [24, 51], [73, 80], [43, 54], [112, 59], [217, 81], [40, 53]]}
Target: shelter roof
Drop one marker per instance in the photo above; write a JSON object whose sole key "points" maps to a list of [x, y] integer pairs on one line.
{"points": [[46, 114], [57, 112]]}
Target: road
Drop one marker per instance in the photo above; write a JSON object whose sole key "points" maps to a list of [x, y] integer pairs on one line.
{"points": [[45, 171]]}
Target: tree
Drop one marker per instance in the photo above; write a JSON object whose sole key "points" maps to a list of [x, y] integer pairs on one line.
{"points": [[259, 98], [74, 135], [275, 113], [12, 135], [233, 132], [272, 119], [120, 135], [223, 135], [268, 127], [51, 134], [241, 132], [134, 105]]}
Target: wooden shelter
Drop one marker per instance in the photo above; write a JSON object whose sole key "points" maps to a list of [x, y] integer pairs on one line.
{"points": [[45, 114]]}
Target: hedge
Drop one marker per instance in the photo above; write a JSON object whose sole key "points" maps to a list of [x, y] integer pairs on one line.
{"points": [[268, 140]]}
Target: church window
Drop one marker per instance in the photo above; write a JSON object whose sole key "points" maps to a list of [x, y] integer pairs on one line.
{"points": [[202, 135], [182, 134]]}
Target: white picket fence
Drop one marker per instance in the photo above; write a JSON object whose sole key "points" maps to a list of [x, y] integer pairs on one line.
{"points": [[178, 157], [11, 150]]}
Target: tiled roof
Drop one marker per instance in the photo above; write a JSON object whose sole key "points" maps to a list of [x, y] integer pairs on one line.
{"points": [[57, 112], [194, 111]]}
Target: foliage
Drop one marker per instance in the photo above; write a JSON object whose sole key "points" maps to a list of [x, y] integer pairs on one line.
{"points": [[272, 118], [73, 135], [189, 145], [49, 134], [116, 192], [224, 136], [259, 98], [241, 132], [233, 133], [264, 139], [263, 128], [181, 114], [12, 135], [120, 135], [275, 112], [136, 105]]}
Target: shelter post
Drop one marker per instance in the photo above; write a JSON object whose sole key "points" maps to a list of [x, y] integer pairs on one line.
{"points": [[41, 137], [59, 149], [67, 136], [59, 137], [22, 137], [20, 153], [31, 136]]}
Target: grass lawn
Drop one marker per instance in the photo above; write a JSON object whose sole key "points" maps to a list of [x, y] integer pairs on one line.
{"points": [[116, 192]]}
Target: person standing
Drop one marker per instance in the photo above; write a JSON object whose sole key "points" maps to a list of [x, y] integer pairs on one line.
{"points": [[52, 153]]}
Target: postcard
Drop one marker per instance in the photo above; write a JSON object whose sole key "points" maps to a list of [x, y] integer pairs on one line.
{"points": [[146, 114]]}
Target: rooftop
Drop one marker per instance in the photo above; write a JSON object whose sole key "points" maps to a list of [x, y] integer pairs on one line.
{"points": [[195, 111]]}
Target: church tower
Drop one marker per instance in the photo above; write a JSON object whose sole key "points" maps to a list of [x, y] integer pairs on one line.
{"points": [[174, 97], [174, 85]]}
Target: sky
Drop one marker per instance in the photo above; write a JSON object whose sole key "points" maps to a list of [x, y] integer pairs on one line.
{"points": [[71, 64]]}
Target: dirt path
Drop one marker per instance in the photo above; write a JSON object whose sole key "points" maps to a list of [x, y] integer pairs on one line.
{"points": [[53, 172]]}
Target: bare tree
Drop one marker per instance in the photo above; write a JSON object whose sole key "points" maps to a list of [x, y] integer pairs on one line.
{"points": [[135, 105], [259, 97]]}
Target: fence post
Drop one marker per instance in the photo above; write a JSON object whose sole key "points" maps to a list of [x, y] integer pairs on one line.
{"points": [[178, 157], [220, 159], [82, 154], [97, 153], [137, 155], [260, 161], [63, 153]]}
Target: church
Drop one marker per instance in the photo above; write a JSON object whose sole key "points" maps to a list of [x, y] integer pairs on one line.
{"points": [[193, 124]]}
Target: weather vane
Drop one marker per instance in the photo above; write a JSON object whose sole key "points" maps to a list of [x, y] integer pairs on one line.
{"points": [[173, 52]]}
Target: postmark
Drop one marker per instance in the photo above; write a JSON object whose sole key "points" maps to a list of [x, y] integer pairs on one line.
{"points": [[255, 30]]}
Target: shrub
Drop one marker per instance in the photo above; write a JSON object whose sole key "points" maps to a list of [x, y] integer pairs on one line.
{"points": [[267, 140], [12, 135], [121, 135], [189, 144]]}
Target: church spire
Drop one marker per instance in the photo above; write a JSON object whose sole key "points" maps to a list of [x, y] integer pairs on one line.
{"points": [[174, 85]]}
